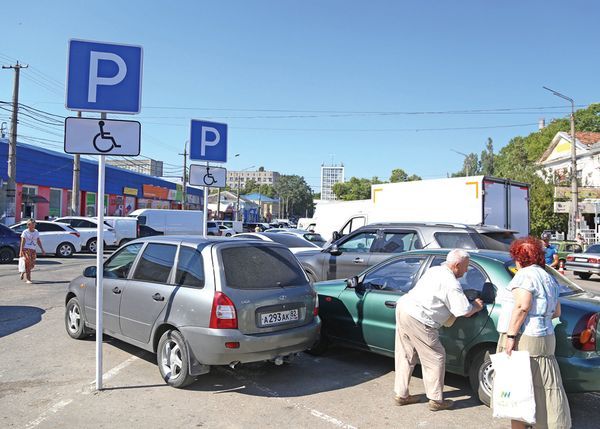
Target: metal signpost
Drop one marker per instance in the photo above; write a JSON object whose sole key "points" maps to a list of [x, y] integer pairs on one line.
{"points": [[208, 142], [105, 78]]}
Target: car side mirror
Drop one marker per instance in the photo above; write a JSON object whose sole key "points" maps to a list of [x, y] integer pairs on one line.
{"points": [[352, 282], [488, 293], [335, 236], [334, 250], [90, 272]]}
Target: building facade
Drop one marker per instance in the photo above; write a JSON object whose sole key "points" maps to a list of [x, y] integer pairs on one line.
{"points": [[148, 166], [330, 175], [238, 179], [44, 182]]}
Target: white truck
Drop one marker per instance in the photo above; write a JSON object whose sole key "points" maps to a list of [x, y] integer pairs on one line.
{"points": [[472, 200], [171, 222]]}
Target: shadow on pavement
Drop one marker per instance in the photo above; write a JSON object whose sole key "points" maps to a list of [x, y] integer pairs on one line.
{"points": [[15, 318]]}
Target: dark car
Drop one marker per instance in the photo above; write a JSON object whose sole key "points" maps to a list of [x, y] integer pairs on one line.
{"points": [[372, 244], [10, 243], [146, 231], [360, 312]]}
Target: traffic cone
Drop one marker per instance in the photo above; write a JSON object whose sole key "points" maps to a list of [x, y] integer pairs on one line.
{"points": [[561, 267]]}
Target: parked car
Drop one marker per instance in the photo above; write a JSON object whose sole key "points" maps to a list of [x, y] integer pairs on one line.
{"points": [[10, 244], [146, 231], [360, 312], [88, 228], [212, 228], [586, 263], [236, 225], [295, 244], [313, 237], [199, 302], [125, 228], [563, 248], [56, 237], [225, 231], [371, 244]]}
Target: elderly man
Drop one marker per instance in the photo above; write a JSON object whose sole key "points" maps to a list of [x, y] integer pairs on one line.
{"points": [[435, 300]]}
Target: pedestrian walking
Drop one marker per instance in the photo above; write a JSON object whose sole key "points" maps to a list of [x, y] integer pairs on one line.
{"points": [[550, 253], [30, 238], [529, 304], [435, 300]]}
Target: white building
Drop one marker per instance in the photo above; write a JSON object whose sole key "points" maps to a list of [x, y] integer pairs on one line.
{"points": [[330, 175], [238, 179], [148, 166]]}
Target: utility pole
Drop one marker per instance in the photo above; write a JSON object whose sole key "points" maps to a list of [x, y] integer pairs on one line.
{"points": [[11, 190], [183, 203], [75, 200]]}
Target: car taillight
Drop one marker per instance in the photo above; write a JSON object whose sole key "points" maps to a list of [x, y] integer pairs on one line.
{"points": [[76, 234], [223, 314], [316, 309], [584, 336], [570, 258], [593, 260]]}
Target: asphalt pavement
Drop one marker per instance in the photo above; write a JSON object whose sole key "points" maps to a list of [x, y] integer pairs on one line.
{"points": [[47, 379]]}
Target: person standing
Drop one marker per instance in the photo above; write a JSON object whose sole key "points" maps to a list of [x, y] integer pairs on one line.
{"points": [[30, 238], [550, 253], [436, 298], [581, 240], [529, 304]]}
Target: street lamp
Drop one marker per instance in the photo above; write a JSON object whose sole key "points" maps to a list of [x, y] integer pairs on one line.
{"points": [[574, 212], [237, 205], [466, 158]]}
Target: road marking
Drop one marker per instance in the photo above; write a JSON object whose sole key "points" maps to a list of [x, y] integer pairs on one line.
{"points": [[315, 413], [52, 410], [91, 387]]}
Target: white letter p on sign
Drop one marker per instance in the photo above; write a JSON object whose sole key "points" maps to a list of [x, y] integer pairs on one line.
{"points": [[204, 142], [95, 80]]}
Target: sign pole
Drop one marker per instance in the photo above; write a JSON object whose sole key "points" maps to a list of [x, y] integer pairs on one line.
{"points": [[205, 207], [100, 266]]}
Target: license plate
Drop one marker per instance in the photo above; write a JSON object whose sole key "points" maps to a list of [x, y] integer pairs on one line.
{"points": [[581, 260], [277, 317]]}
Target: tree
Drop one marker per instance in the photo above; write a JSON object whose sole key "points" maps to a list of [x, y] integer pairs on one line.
{"points": [[295, 196], [355, 189], [486, 160], [399, 175]]}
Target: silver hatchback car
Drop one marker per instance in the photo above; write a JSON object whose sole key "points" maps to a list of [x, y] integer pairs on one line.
{"points": [[199, 302]]}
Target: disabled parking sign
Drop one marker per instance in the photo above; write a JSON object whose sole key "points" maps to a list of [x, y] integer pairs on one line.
{"points": [[104, 77], [89, 136]]}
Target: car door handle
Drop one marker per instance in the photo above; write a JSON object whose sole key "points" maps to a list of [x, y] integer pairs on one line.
{"points": [[116, 290], [390, 304], [158, 297], [358, 260]]}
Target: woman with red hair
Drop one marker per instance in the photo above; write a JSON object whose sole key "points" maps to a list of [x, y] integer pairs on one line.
{"points": [[529, 304]]}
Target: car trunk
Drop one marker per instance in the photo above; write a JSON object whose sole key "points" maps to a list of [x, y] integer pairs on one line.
{"points": [[268, 287]]}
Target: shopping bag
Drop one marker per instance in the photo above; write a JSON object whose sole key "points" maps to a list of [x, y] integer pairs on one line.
{"points": [[512, 393], [22, 264]]}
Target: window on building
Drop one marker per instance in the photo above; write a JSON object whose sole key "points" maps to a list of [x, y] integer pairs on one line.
{"points": [[55, 203]]}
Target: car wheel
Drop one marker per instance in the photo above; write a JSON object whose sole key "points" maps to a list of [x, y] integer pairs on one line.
{"points": [[65, 250], [311, 278], [481, 375], [92, 245], [228, 235], [173, 361], [74, 320], [583, 276], [6, 255]]}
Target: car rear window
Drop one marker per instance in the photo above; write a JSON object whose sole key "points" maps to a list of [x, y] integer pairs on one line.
{"points": [[455, 240], [290, 240], [497, 240], [261, 267], [593, 249]]}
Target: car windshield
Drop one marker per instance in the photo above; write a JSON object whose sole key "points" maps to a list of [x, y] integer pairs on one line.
{"points": [[567, 287]]}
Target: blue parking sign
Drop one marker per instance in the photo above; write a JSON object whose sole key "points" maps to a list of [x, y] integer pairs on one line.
{"points": [[208, 141], [104, 77]]}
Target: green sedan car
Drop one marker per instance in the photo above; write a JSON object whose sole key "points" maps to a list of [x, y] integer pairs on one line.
{"points": [[563, 248], [360, 312]]}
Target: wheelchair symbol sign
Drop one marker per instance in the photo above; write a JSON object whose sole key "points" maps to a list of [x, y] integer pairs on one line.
{"points": [[204, 175], [90, 136]]}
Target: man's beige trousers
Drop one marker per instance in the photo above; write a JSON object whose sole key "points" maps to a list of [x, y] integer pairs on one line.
{"points": [[414, 338]]}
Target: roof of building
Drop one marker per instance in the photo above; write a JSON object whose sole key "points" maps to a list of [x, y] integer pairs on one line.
{"points": [[585, 140]]}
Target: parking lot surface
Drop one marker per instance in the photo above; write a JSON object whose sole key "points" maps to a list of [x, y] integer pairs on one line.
{"points": [[47, 379]]}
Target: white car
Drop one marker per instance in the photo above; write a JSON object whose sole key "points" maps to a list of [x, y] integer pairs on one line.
{"points": [[57, 238], [292, 242], [88, 228], [225, 231]]}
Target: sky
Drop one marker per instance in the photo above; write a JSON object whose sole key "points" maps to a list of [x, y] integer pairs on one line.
{"points": [[374, 85]]}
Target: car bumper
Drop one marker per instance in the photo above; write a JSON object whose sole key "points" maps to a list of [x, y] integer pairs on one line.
{"points": [[580, 374], [583, 267], [208, 345]]}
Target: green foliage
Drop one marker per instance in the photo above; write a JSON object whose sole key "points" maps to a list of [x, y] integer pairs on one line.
{"points": [[295, 195], [354, 189], [399, 175]]}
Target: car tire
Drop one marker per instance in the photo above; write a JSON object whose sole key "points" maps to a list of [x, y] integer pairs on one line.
{"points": [[311, 278], [583, 276], [481, 375], [228, 235], [92, 245], [6, 255], [65, 250], [173, 360], [74, 322]]}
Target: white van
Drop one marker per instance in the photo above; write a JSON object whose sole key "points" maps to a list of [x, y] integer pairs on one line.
{"points": [[236, 225], [125, 228], [171, 222]]}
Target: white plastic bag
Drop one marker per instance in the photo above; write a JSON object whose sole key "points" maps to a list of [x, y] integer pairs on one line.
{"points": [[22, 264], [512, 395]]}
